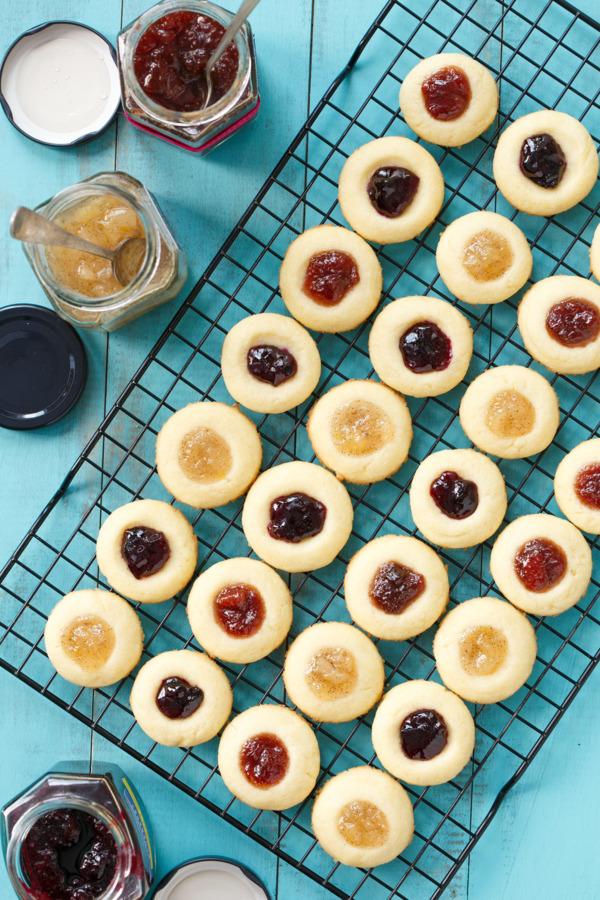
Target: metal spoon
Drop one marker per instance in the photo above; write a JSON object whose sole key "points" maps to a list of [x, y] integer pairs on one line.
{"points": [[236, 23], [126, 259]]}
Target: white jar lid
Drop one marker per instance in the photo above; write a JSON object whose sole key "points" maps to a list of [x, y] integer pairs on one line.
{"points": [[211, 879], [59, 83]]}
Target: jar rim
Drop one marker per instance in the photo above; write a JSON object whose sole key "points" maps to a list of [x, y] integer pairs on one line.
{"points": [[69, 196], [195, 118]]}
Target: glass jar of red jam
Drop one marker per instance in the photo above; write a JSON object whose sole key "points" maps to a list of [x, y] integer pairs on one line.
{"points": [[162, 56], [75, 835]]}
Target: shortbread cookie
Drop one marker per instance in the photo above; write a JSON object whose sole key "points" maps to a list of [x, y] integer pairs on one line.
{"points": [[363, 817], [270, 363], [396, 587], [457, 498], [483, 257], [449, 99], [181, 698], [423, 733], [240, 610], [330, 279], [559, 321], [93, 638], [208, 454], [390, 190], [421, 346], [545, 162], [147, 550], [577, 485], [297, 516], [362, 430], [542, 564], [595, 254], [485, 650], [510, 411], [333, 672], [269, 757]]}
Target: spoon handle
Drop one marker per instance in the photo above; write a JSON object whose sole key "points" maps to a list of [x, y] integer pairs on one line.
{"points": [[26, 225], [236, 23]]}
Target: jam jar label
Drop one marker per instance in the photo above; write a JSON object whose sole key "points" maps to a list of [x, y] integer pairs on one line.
{"points": [[137, 817]]}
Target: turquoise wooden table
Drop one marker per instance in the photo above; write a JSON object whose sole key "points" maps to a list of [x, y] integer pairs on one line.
{"points": [[542, 842]]}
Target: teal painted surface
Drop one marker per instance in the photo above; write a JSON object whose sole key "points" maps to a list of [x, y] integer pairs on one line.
{"points": [[542, 841]]}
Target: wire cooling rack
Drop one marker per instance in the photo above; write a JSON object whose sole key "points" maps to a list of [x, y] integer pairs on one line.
{"points": [[117, 466]]}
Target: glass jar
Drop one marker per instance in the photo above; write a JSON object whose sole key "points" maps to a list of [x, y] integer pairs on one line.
{"points": [[110, 799], [201, 130], [161, 274]]}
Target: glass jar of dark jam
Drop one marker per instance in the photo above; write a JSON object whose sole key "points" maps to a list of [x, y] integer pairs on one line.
{"points": [[166, 49], [74, 834]]}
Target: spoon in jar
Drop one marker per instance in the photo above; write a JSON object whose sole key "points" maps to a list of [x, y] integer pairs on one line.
{"points": [[236, 23], [126, 258]]}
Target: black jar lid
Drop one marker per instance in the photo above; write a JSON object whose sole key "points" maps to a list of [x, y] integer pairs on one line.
{"points": [[217, 869], [43, 367]]}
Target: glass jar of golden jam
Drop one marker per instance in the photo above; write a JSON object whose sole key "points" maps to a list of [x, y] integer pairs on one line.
{"points": [[162, 56], [107, 209]]}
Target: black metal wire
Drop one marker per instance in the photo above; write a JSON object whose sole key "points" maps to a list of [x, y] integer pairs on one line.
{"points": [[117, 465]]}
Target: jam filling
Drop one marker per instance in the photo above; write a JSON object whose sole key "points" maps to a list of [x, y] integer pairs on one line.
{"points": [[446, 93], [88, 641], [510, 414], [487, 256], [171, 56], [177, 698], [274, 365], [423, 734], [392, 189], [265, 760], [295, 517], [587, 485], [331, 673], [482, 649], [360, 428], [542, 160], [395, 587], [204, 455], [456, 497], [329, 277], [540, 564], [239, 609], [425, 348], [573, 322], [69, 855], [362, 824], [144, 550]]}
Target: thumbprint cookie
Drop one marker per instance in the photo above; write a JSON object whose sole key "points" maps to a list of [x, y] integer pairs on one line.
{"points": [[93, 638], [181, 698], [240, 610], [396, 587], [458, 498], [485, 650], [510, 411], [421, 346], [363, 817], [559, 321], [542, 564], [390, 190], [577, 485], [147, 550], [333, 672], [270, 363], [208, 454], [269, 757], [362, 430], [449, 99], [545, 162], [422, 733], [330, 279], [483, 257], [297, 516]]}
